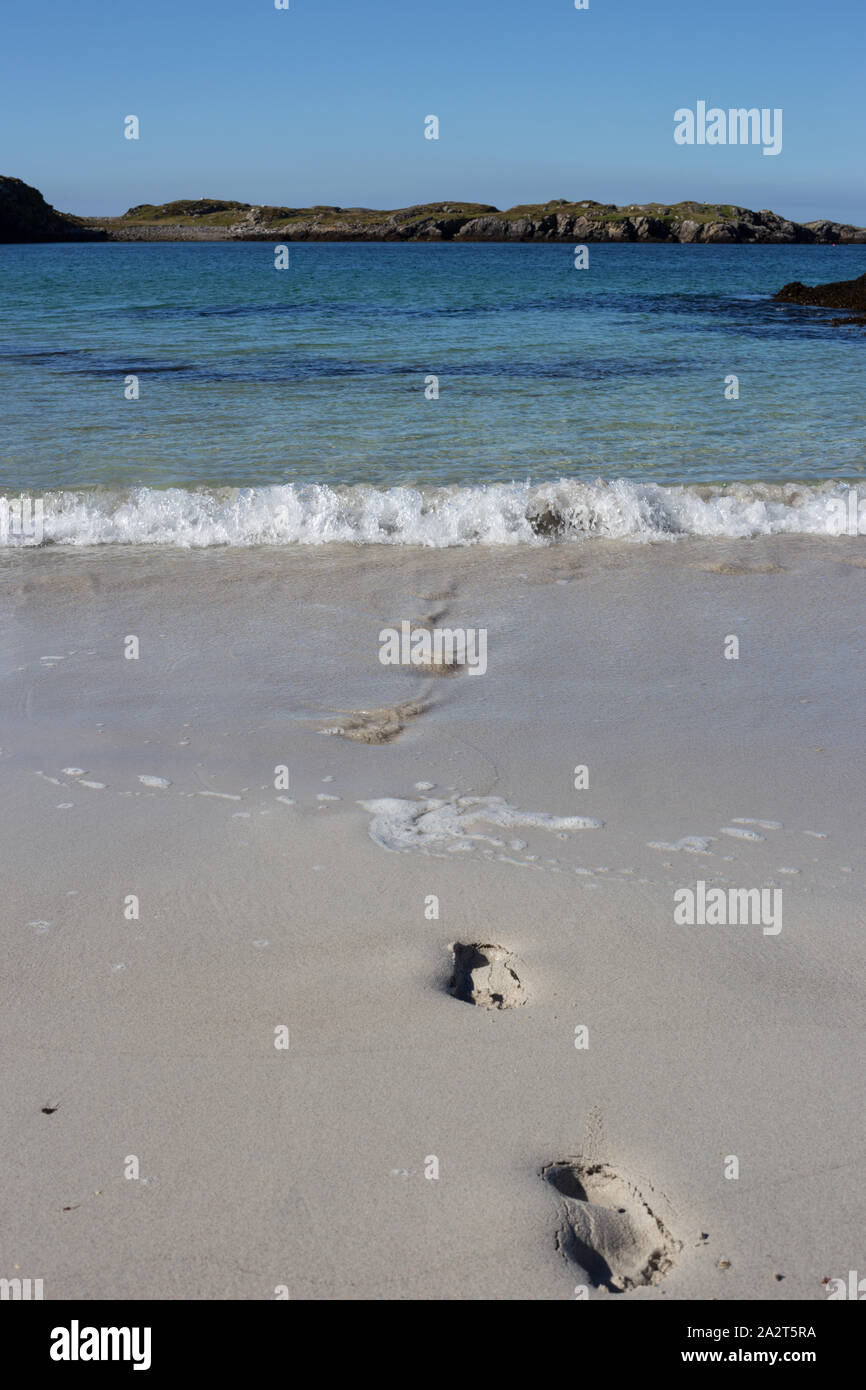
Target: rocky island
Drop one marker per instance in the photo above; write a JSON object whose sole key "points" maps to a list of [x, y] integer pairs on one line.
{"points": [[559, 220], [25, 216]]}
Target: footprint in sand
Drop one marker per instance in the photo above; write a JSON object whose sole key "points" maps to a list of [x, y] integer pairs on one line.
{"points": [[431, 657], [487, 975], [380, 725], [608, 1227]]}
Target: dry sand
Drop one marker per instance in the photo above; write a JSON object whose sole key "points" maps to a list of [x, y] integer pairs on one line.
{"points": [[559, 1166]]}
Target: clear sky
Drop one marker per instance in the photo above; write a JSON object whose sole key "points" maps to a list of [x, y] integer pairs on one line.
{"points": [[325, 102]]}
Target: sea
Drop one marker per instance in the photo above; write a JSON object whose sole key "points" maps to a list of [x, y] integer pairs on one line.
{"points": [[194, 394]]}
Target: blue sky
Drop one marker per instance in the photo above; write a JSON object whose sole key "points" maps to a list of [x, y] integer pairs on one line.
{"points": [[325, 102]]}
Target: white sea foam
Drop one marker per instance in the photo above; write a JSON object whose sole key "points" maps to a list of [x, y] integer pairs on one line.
{"points": [[431, 825], [494, 514], [691, 844]]}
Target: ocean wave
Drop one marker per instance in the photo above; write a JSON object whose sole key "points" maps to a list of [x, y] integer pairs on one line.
{"points": [[493, 514]]}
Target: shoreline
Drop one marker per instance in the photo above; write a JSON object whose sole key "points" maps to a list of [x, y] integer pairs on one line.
{"points": [[491, 515], [117, 231]]}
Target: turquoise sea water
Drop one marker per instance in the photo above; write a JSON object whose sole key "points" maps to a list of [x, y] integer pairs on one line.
{"points": [[252, 377]]}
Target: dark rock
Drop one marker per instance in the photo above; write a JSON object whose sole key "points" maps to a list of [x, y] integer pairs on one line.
{"points": [[839, 294], [25, 216], [546, 521]]}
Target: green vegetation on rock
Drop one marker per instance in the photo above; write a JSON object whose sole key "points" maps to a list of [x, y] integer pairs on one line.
{"points": [[25, 216]]}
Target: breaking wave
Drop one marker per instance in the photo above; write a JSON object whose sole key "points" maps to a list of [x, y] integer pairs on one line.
{"points": [[494, 514]]}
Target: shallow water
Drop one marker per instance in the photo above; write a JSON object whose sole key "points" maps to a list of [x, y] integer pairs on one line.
{"points": [[314, 378]]}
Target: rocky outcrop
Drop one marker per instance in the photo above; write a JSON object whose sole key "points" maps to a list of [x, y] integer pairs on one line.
{"points": [[837, 294], [425, 222], [25, 216], [559, 221], [835, 232], [185, 207]]}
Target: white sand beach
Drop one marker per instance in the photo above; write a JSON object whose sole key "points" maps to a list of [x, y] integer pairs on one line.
{"points": [[169, 911]]}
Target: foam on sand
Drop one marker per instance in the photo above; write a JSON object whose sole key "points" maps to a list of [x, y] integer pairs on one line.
{"points": [[435, 825], [739, 832], [691, 844]]}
